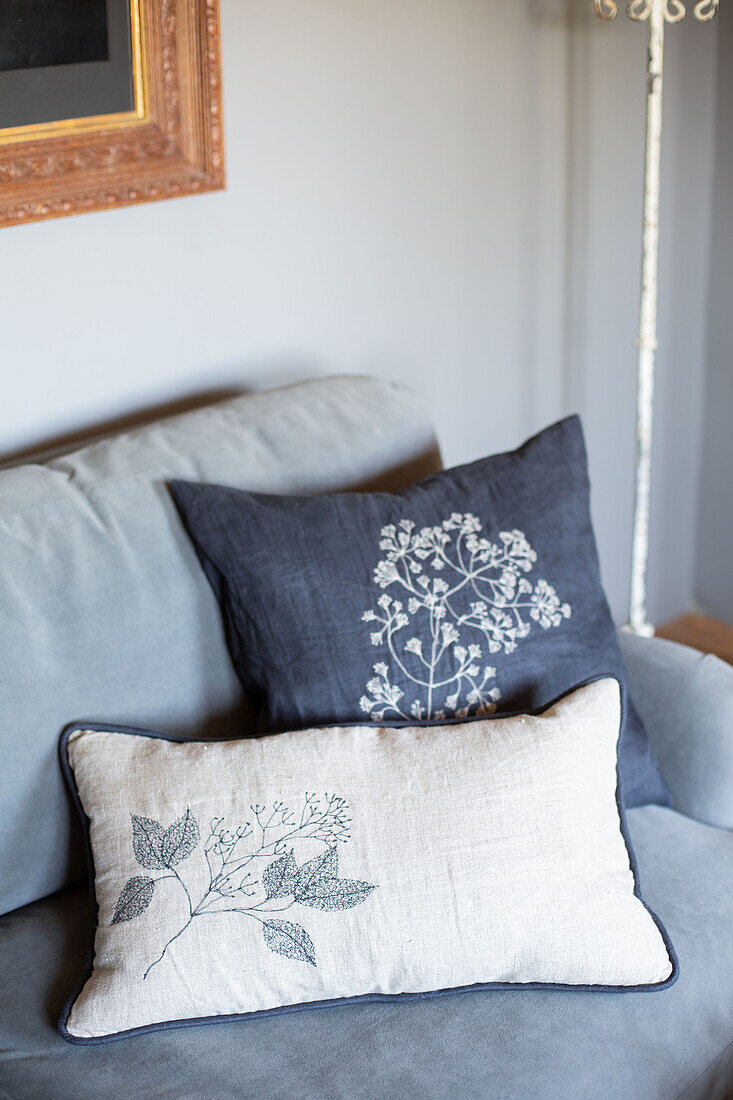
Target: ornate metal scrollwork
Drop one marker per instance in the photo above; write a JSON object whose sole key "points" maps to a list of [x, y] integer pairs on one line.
{"points": [[606, 9], [705, 10], [674, 10], [639, 10]]}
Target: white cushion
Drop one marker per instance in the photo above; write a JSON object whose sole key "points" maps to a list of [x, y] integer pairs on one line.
{"points": [[239, 876]]}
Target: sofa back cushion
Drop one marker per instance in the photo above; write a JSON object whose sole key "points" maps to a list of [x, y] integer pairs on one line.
{"points": [[104, 611]]}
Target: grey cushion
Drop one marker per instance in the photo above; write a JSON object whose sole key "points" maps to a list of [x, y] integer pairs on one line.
{"points": [[104, 611], [308, 588], [685, 699], [544, 1045]]}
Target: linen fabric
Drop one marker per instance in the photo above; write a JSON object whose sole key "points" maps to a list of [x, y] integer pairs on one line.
{"points": [[242, 876], [474, 591]]}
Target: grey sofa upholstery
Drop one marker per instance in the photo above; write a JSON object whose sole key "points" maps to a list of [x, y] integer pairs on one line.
{"points": [[104, 615]]}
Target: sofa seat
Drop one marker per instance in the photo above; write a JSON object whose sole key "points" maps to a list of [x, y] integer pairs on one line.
{"points": [[652, 1046]]}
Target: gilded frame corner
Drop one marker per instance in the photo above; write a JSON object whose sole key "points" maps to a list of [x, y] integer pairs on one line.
{"points": [[170, 145]]}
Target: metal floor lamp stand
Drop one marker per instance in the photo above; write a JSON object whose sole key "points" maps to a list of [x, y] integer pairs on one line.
{"points": [[656, 13]]}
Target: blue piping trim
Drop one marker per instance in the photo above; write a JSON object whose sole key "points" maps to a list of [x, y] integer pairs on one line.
{"points": [[101, 727]]}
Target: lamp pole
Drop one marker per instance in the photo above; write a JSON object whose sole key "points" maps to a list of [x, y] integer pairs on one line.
{"points": [[656, 13]]}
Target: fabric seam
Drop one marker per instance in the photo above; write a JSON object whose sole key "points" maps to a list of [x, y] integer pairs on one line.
{"points": [[703, 1073]]}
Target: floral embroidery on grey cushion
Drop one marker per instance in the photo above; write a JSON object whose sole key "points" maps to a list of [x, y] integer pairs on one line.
{"points": [[251, 870], [455, 586]]}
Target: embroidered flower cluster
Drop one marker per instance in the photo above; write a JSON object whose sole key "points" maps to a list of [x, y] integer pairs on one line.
{"points": [[469, 597]]}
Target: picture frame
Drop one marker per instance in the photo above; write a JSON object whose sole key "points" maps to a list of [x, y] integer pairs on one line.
{"points": [[170, 144]]}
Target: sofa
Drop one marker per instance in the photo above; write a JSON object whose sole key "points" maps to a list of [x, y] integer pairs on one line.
{"points": [[106, 616]]}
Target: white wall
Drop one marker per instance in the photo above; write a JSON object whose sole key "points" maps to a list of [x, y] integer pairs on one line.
{"points": [[445, 192]]}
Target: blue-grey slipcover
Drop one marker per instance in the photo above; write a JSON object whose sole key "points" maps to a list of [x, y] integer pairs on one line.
{"points": [[87, 639], [685, 699], [509, 1045], [104, 611]]}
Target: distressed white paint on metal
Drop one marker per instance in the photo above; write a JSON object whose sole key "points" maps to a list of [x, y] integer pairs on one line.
{"points": [[647, 341], [639, 9], [657, 12], [674, 10], [606, 9], [705, 10]]}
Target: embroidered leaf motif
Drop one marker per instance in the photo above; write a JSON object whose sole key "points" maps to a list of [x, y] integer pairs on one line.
{"points": [[147, 836], [280, 878], [136, 896], [335, 893], [228, 877], [179, 839], [286, 938], [324, 866]]}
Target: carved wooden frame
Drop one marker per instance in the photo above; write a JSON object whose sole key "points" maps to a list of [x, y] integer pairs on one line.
{"points": [[171, 145]]}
